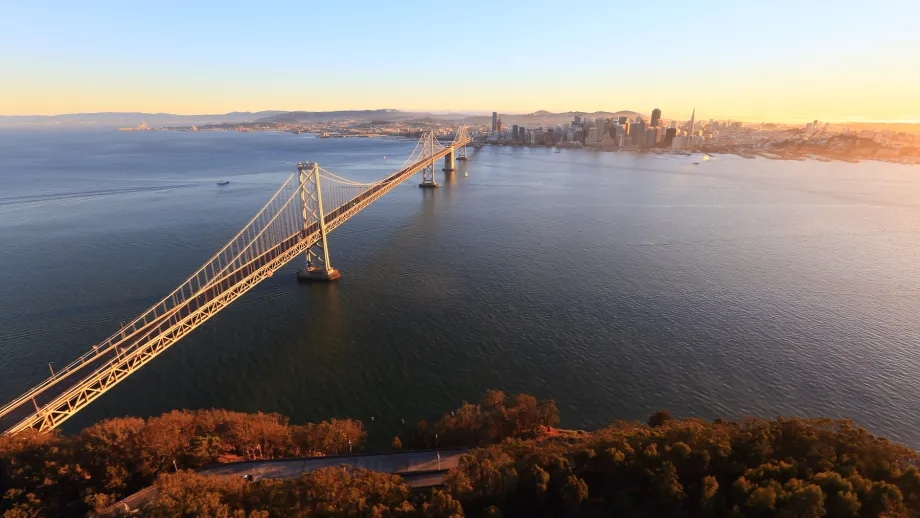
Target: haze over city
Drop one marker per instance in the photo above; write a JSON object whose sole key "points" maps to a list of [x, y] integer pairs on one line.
{"points": [[784, 62]]}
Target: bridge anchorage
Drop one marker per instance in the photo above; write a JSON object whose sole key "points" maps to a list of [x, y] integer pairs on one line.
{"points": [[295, 221]]}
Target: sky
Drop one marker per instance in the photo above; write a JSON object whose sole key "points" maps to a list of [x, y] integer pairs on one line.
{"points": [[780, 61]]}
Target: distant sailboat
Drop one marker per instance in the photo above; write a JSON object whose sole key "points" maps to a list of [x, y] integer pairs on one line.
{"points": [[466, 174]]}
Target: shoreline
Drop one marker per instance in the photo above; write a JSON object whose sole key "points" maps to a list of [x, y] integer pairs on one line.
{"points": [[811, 155]]}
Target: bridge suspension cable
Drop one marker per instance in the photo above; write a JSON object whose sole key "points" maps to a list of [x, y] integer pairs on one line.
{"points": [[294, 221]]}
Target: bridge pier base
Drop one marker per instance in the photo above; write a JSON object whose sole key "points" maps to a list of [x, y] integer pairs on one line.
{"points": [[318, 275]]}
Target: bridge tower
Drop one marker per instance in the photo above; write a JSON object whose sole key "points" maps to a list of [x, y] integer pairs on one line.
{"points": [[461, 136], [428, 149], [318, 267]]}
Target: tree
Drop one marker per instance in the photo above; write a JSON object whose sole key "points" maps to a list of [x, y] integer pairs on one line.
{"points": [[659, 418]]}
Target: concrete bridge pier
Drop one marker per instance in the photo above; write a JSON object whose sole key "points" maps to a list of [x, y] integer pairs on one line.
{"points": [[449, 163]]}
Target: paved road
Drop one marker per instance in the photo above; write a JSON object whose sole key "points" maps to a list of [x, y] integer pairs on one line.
{"points": [[418, 468], [401, 463]]}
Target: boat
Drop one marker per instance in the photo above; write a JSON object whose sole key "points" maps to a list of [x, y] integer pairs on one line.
{"points": [[223, 182], [696, 163]]}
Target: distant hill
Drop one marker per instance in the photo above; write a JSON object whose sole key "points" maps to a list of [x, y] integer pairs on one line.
{"points": [[304, 116], [387, 115], [130, 119]]}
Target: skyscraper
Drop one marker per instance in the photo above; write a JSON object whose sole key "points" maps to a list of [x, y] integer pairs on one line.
{"points": [[651, 137], [637, 130], [494, 121], [514, 132], [656, 116], [622, 120], [669, 137], [692, 123]]}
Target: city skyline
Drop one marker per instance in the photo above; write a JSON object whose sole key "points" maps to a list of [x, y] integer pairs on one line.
{"points": [[789, 63]]}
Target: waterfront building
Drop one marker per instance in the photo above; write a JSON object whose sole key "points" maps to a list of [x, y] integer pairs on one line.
{"points": [[669, 136], [494, 122], [638, 132], [592, 136], [651, 137], [656, 117]]}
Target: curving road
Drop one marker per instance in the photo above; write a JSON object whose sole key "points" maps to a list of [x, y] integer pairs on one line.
{"points": [[420, 469]]}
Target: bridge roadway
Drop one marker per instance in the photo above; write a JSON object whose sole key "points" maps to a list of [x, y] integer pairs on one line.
{"points": [[52, 402]]}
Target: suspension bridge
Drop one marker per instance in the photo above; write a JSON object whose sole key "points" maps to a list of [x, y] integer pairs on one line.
{"points": [[311, 203]]}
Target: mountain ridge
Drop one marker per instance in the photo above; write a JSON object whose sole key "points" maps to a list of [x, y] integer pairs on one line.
{"points": [[130, 119]]}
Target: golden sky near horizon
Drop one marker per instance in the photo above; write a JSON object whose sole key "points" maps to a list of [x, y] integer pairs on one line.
{"points": [[789, 63], [766, 94]]}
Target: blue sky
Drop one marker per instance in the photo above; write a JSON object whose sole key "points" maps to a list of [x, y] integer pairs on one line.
{"points": [[779, 60]]}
